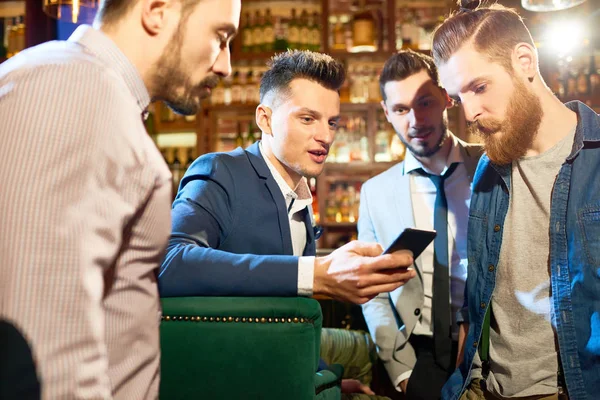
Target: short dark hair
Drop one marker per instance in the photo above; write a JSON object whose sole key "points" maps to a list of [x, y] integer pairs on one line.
{"points": [[406, 63], [111, 11], [305, 64], [494, 31]]}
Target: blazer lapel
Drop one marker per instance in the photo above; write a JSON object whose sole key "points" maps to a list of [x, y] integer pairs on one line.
{"points": [[262, 170]]}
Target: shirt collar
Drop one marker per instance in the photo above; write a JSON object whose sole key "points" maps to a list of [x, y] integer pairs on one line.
{"points": [[301, 194], [412, 164], [106, 50]]}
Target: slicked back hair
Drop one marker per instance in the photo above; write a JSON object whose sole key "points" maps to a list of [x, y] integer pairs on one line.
{"points": [[494, 32], [406, 63], [300, 64]]}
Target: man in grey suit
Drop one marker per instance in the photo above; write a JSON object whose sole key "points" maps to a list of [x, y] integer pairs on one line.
{"points": [[416, 327]]}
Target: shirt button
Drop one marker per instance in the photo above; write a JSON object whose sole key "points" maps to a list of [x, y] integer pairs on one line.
{"points": [[475, 344], [497, 228], [417, 311], [482, 305], [491, 268]]}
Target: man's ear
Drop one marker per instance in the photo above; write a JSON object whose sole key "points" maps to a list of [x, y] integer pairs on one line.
{"points": [[155, 14], [525, 60], [263, 118], [449, 102], [385, 109]]}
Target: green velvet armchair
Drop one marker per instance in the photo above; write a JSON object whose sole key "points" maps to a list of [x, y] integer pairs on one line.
{"points": [[243, 348]]}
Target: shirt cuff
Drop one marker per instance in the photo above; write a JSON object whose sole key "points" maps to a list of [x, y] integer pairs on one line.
{"points": [[399, 379], [306, 276]]}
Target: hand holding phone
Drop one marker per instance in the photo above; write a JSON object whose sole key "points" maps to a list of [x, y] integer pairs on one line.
{"points": [[415, 240]]}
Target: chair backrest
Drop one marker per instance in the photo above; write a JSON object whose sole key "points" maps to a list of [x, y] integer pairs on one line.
{"points": [[239, 348]]}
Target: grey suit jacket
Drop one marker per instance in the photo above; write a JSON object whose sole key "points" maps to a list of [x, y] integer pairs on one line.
{"points": [[385, 211]]}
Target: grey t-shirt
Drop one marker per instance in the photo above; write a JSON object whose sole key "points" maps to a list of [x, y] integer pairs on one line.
{"points": [[523, 349]]}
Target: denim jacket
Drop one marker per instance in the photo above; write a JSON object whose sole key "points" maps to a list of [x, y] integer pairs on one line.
{"points": [[574, 258]]}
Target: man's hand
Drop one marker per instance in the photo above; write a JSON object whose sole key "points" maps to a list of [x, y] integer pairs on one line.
{"points": [[404, 385], [463, 330], [354, 386], [357, 272]]}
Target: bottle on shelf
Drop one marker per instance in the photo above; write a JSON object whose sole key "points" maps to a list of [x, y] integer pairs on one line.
{"points": [[236, 88], [364, 31], [268, 32], [218, 94], [247, 33], [294, 31], [304, 40], [315, 33], [249, 88], [239, 139], [257, 32], [227, 82], [250, 138], [281, 34], [190, 157], [594, 77]]}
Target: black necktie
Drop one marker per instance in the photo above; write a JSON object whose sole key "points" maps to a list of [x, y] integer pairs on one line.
{"points": [[441, 275]]}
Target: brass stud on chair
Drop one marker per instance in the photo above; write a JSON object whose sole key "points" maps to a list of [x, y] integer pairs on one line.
{"points": [[204, 319], [186, 318], [218, 319], [302, 320], [270, 320], [230, 319], [167, 318], [180, 318], [263, 320], [276, 319], [296, 320], [237, 319], [212, 319], [244, 319]]}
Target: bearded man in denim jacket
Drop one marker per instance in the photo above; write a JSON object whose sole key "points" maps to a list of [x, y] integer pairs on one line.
{"points": [[534, 220]]}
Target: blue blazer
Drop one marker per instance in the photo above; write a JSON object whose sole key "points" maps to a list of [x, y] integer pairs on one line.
{"points": [[230, 231]]}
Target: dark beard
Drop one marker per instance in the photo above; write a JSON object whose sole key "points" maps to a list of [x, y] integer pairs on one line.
{"points": [[508, 140], [428, 152], [172, 85]]}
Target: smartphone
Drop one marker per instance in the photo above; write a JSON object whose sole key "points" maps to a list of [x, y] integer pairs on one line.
{"points": [[415, 240]]}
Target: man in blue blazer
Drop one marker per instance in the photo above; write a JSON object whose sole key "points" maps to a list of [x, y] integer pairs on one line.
{"points": [[242, 221], [403, 322]]}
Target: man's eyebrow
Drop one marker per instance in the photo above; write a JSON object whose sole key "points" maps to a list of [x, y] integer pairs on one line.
{"points": [[473, 82], [309, 111]]}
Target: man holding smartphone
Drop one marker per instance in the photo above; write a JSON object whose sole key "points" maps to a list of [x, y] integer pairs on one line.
{"points": [[416, 327]]}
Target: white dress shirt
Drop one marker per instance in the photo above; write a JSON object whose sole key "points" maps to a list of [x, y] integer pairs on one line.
{"points": [[458, 193], [296, 200]]}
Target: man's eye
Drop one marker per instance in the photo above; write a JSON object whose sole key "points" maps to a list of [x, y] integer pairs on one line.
{"points": [[307, 119], [401, 111], [480, 89]]}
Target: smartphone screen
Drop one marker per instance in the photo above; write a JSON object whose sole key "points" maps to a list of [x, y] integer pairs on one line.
{"points": [[415, 240]]}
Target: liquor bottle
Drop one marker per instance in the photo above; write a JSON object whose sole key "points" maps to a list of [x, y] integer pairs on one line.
{"points": [[3, 49], [583, 81], [249, 88], [257, 32], [364, 33], [338, 35], [227, 81], [236, 89], [239, 139], [176, 170], [218, 94], [315, 33], [190, 157], [594, 77], [21, 34], [247, 33], [268, 32], [294, 31], [281, 34], [250, 138], [304, 30]]}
